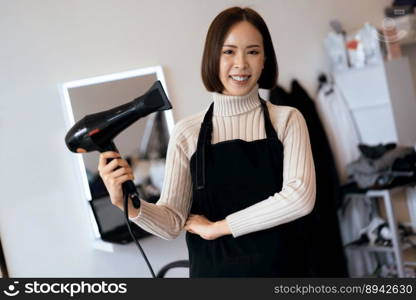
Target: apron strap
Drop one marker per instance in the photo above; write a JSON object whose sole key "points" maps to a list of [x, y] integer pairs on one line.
{"points": [[204, 140], [270, 131], [205, 137]]}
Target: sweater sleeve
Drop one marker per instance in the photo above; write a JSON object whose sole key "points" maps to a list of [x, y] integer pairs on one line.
{"points": [[167, 217], [297, 197]]}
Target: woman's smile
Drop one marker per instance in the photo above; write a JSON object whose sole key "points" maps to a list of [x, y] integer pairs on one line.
{"points": [[240, 80]]}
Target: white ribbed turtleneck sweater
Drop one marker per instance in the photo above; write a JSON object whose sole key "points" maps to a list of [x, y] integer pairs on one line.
{"points": [[235, 117]]}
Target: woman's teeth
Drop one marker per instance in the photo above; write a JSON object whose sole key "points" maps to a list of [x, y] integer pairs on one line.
{"points": [[240, 78]]}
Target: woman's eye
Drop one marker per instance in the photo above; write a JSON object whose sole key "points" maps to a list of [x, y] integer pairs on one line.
{"points": [[254, 52], [227, 51]]}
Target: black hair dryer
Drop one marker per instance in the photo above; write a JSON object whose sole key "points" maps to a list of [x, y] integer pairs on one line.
{"points": [[96, 132]]}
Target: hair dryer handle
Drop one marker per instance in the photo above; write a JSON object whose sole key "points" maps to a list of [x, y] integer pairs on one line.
{"points": [[128, 187]]}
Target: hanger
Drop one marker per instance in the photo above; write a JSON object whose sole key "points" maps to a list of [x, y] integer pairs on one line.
{"points": [[323, 80]]}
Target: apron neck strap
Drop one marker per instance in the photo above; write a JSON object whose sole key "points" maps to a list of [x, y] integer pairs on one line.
{"points": [[204, 140], [270, 131], [207, 123], [205, 137]]}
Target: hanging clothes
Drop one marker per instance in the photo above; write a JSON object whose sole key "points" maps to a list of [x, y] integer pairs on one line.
{"points": [[339, 126], [230, 176], [326, 256], [356, 213]]}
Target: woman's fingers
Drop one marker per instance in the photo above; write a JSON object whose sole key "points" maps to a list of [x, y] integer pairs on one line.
{"points": [[122, 171], [112, 165], [104, 156], [117, 181], [187, 228], [188, 222], [102, 163], [113, 174], [121, 179], [119, 176]]}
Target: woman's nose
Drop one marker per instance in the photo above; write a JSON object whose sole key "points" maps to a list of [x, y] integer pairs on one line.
{"points": [[240, 61]]}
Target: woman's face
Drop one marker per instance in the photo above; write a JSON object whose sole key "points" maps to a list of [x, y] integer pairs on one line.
{"points": [[242, 59]]}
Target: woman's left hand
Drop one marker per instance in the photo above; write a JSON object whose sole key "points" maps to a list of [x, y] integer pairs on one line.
{"points": [[199, 224]]}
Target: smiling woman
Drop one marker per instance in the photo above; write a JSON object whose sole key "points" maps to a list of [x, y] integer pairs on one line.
{"points": [[239, 175], [242, 59]]}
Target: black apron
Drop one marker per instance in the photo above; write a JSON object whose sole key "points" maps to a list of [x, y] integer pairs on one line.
{"points": [[230, 176]]}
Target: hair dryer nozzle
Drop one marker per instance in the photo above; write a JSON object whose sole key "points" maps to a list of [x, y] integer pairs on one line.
{"points": [[155, 98]]}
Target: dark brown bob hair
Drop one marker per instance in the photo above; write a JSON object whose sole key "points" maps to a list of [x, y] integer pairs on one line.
{"points": [[215, 39]]}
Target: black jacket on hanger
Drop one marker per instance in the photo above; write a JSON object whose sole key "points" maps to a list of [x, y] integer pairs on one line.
{"points": [[326, 252]]}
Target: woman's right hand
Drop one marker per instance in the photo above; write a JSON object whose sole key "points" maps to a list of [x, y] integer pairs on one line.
{"points": [[113, 175]]}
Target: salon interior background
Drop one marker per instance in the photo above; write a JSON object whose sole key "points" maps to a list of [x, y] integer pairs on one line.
{"points": [[45, 231]]}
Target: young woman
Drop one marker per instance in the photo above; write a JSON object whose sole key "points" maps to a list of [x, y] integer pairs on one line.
{"points": [[240, 174]]}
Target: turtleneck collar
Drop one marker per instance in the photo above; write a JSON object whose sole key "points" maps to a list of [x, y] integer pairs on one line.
{"points": [[225, 105]]}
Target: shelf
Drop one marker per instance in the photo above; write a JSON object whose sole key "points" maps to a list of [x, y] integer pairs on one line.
{"points": [[376, 248], [393, 190], [410, 263]]}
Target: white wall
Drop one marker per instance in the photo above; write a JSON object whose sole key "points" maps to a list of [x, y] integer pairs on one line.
{"points": [[44, 225]]}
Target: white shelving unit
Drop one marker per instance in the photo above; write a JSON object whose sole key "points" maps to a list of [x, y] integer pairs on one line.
{"points": [[397, 247], [382, 102]]}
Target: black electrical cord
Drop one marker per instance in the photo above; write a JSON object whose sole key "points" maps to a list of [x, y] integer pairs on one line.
{"points": [[126, 214], [175, 264]]}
